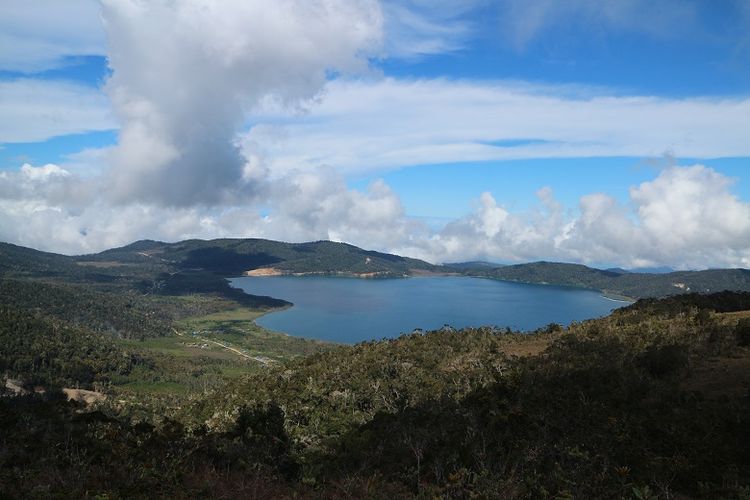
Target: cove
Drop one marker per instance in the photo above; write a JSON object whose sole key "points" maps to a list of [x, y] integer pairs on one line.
{"points": [[351, 310]]}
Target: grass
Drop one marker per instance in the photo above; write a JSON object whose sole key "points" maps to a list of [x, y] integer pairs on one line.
{"points": [[238, 329], [188, 362], [182, 347], [734, 317], [181, 366], [155, 388], [238, 315]]}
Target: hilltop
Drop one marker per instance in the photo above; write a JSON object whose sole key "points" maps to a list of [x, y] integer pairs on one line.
{"points": [[232, 257]]}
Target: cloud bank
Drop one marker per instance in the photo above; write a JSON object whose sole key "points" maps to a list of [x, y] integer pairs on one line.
{"points": [[365, 126], [35, 110], [685, 217]]}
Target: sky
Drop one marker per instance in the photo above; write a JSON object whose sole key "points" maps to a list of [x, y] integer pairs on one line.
{"points": [[606, 133]]}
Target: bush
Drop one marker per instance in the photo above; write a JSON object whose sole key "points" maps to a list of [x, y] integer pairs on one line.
{"points": [[662, 361], [742, 332]]}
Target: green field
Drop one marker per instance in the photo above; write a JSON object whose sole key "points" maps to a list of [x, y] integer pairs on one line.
{"points": [[237, 328], [206, 351]]}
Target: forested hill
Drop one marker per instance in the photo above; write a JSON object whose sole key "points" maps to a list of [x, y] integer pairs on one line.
{"points": [[199, 265], [635, 285], [22, 260], [231, 257]]}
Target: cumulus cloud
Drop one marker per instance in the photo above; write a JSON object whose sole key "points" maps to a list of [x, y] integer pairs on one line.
{"points": [[182, 90], [50, 208], [685, 217], [33, 38], [35, 110], [692, 212], [318, 205]]}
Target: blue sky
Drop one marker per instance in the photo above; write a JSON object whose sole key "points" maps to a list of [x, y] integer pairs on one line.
{"points": [[494, 123], [700, 49]]}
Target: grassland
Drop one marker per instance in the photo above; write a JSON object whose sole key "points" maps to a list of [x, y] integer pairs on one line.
{"points": [[203, 353], [237, 328]]}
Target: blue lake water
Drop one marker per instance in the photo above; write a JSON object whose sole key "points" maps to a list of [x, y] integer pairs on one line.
{"points": [[351, 310]]}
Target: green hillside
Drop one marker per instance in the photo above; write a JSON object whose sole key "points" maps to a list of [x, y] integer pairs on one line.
{"points": [[232, 257], [24, 261], [200, 266]]}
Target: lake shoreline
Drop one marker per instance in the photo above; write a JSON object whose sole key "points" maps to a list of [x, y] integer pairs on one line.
{"points": [[419, 273], [346, 310]]}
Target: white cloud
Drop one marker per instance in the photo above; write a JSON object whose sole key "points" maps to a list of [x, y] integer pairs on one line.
{"points": [[35, 110], [522, 21], [38, 35], [50, 208], [415, 28], [185, 74], [686, 217], [363, 126], [317, 205], [43, 173], [692, 211]]}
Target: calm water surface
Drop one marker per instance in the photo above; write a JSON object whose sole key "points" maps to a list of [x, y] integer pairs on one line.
{"points": [[351, 310]]}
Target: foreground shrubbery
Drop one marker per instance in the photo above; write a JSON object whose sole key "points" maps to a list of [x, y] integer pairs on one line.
{"points": [[602, 409]]}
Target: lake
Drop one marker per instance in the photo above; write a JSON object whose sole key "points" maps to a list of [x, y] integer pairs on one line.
{"points": [[350, 310]]}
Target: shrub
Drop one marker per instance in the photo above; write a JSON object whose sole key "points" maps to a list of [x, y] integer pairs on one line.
{"points": [[742, 332]]}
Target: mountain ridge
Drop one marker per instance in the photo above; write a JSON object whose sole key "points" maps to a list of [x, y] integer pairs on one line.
{"points": [[190, 263]]}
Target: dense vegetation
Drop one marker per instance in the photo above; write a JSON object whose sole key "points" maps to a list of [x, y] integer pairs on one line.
{"points": [[125, 315], [115, 325], [607, 410], [232, 257], [650, 402], [200, 266], [44, 352]]}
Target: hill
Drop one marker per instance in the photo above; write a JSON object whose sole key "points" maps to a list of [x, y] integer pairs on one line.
{"points": [[20, 260], [470, 265], [199, 266], [630, 284], [232, 257]]}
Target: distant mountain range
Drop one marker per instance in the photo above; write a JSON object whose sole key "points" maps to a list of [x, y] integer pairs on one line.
{"points": [[199, 265]]}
